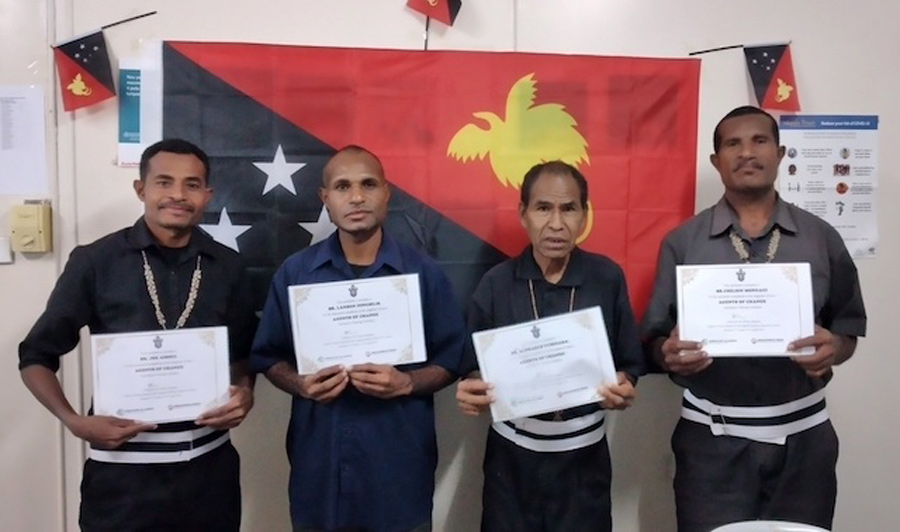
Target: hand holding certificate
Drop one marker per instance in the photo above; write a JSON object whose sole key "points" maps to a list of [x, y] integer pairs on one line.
{"points": [[160, 376], [373, 320], [745, 309], [545, 365]]}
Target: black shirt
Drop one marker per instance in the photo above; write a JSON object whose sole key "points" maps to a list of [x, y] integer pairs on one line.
{"points": [[103, 287]]}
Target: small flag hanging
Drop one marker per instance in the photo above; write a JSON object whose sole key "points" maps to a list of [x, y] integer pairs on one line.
{"points": [[85, 74], [442, 10], [772, 73]]}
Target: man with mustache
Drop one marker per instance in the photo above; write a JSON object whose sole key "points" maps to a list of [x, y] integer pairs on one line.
{"points": [[361, 439], [552, 472], [161, 273], [754, 440]]}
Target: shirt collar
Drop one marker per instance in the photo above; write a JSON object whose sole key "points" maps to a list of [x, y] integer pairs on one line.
{"points": [[724, 217], [527, 268], [140, 238], [331, 252]]}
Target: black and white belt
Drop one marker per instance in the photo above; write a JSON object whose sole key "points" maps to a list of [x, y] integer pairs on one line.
{"points": [[767, 424], [163, 447]]}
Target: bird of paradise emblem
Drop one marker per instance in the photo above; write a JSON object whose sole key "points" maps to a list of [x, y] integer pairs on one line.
{"points": [[783, 92], [78, 87], [528, 135]]}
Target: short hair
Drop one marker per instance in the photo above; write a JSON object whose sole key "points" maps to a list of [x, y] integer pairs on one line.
{"points": [[744, 111], [353, 148], [179, 146], [553, 168]]}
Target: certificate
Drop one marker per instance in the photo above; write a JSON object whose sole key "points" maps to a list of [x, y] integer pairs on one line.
{"points": [[745, 309], [547, 364], [376, 320], [160, 376]]}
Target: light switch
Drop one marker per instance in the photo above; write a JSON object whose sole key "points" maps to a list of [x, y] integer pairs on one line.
{"points": [[31, 229]]}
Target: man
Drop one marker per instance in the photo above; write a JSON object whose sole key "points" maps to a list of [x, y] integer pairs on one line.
{"points": [[361, 440], [754, 441], [160, 273], [552, 472]]}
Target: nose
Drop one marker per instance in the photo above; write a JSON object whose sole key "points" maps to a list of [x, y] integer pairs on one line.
{"points": [[556, 219], [356, 195]]}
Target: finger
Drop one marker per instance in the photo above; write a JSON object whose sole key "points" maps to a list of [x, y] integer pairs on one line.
{"points": [[324, 373], [333, 393], [317, 389], [369, 378]]}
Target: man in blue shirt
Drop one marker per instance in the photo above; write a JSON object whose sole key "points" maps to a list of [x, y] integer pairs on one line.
{"points": [[361, 440]]}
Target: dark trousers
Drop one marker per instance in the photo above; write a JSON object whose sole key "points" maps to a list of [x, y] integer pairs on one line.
{"points": [[202, 495], [424, 527], [528, 491], [720, 479]]}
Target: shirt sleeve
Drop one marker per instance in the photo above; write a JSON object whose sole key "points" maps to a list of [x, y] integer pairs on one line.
{"points": [[273, 342], [479, 318], [844, 312], [661, 316], [69, 308], [445, 331], [241, 318], [627, 350]]}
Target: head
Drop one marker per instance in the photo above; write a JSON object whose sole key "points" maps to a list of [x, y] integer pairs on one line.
{"points": [[747, 151], [553, 209], [355, 191], [174, 186]]}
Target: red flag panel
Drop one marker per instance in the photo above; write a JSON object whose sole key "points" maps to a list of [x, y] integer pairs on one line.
{"points": [[457, 130]]}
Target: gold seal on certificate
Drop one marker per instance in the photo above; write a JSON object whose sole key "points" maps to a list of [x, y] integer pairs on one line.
{"points": [[745, 309], [160, 376], [376, 320], [545, 365]]}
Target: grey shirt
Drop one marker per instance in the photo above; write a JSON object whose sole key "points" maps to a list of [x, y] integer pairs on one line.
{"points": [[837, 298]]}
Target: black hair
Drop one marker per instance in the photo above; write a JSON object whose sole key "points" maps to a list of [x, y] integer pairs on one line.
{"points": [[353, 148], [744, 111], [179, 146], [553, 168]]}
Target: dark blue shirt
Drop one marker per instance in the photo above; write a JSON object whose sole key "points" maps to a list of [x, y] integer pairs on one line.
{"points": [[362, 461]]}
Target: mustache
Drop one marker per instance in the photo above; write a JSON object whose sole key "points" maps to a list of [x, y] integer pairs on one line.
{"points": [[744, 162], [178, 204]]}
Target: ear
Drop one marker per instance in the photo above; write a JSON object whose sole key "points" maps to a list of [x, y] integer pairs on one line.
{"points": [[780, 154], [323, 194], [522, 209], [139, 188], [714, 159]]}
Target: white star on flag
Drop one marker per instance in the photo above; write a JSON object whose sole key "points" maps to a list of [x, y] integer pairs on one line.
{"points": [[279, 172], [224, 232], [321, 228]]}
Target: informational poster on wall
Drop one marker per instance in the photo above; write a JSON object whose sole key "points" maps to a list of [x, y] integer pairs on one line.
{"points": [[830, 169], [140, 103]]}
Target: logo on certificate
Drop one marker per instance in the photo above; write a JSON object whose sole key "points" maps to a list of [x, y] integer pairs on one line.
{"points": [[536, 331], [741, 275], [353, 290], [157, 342]]}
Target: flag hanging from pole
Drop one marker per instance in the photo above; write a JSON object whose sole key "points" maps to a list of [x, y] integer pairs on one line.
{"points": [[442, 10], [85, 73], [772, 73]]}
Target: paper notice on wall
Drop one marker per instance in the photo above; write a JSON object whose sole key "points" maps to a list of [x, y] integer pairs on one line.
{"points": [[23, 151], [140, 103], [830, 169]]}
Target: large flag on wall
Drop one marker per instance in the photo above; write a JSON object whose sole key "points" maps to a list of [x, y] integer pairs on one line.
{"points": [[85, 74], [456, 132], [772, 73]]}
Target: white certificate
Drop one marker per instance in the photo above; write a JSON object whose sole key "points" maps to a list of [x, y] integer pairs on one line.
{"points": [[376, 320], [160, 376], [745, 309], [547, 364]]}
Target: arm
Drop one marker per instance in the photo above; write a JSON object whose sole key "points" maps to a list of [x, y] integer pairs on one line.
{"points": [[473, 395], [104, 432], [239, 404]]}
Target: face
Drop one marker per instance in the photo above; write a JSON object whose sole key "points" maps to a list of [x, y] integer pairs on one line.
{"points": [[554, 217], [748, 156], [174, 192], [355, 192]]}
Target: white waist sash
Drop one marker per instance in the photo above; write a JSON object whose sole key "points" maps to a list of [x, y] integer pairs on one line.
{"points": [[163, 447], [766, 424], [553, 436]]}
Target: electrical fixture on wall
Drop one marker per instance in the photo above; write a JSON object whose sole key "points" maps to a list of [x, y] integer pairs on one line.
{"points": [[31, 227]]}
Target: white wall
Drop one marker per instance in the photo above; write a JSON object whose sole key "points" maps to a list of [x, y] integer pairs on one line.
{"points": [[845, 56]]}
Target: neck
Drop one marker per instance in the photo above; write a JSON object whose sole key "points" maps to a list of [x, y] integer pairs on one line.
{"points": [[171, 238], [754, 210], [361, 248], [552, 268]]}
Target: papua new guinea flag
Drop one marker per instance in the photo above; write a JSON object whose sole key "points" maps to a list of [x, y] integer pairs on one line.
{"points": [[456, 132], [85, 74]]}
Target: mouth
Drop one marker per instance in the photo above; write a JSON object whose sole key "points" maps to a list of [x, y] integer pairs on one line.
{"points": [[178, 209], [748, 166], [353, 215], [556, 242]]}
